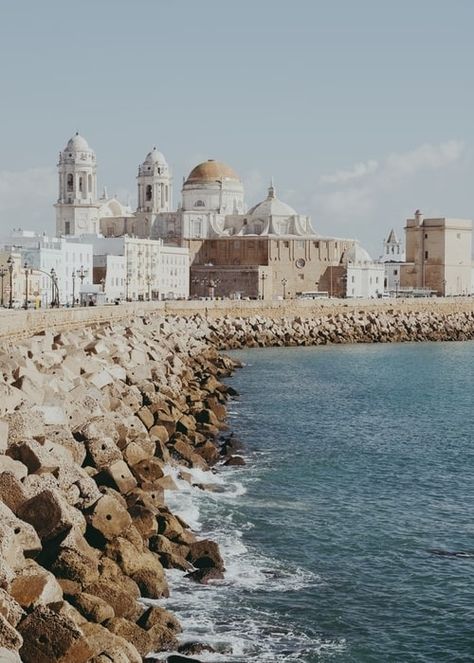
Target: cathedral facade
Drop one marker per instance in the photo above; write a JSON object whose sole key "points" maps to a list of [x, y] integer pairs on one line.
{"points": [[268, 251]]}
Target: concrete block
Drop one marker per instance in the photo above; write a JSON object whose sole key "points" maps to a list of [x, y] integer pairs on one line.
{"points": [[10, 609], [103, 452], [25, 534], [122, 477], [48, 513], [12, 492], [15, 467], [9, 637], [52, 638], [34, 586], [53, 415], [109, 517]]}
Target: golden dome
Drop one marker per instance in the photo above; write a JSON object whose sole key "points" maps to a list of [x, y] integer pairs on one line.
{"points": [[212, 171]]}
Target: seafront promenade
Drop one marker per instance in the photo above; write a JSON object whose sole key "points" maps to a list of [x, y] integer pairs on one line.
{"points": [[17, 324]]}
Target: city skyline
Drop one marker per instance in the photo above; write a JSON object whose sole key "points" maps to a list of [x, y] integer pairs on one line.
{"points": [[361, 115]]}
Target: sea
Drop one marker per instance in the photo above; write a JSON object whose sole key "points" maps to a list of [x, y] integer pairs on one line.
{"points": [[348, 536]]}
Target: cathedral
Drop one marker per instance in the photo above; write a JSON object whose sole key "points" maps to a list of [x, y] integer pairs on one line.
{"points": [[212, 202], [269, 251]]}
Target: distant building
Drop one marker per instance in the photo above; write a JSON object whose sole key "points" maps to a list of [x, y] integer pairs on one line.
{"points": [[364, 277], [133, 268], [438, 255], [393, 255], [42, 254]]}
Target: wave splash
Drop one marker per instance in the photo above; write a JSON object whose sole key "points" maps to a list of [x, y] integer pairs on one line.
{"points": [[228, 614]]}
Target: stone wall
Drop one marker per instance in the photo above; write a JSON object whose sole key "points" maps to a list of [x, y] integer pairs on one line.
{"points": [[21, 324]]}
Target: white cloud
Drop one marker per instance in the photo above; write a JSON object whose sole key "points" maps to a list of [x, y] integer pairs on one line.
{"points": [[357, 171], [27, 198], [357, 201]]}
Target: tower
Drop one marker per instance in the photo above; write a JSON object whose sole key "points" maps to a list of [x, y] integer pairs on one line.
{"points": [[77, 207], [154, 184], [393, 249]]}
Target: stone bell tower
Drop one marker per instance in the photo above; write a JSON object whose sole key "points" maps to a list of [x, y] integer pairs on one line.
{"points": [[77, 206]]}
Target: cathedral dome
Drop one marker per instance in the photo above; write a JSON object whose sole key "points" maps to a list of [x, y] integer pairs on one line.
{"points": [[358, 254], [155, 156], [212, 171], [77, 144], [271, 206]]}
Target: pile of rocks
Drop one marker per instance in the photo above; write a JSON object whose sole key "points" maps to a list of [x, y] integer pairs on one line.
{"points": [[90, 424], [342, 327]]}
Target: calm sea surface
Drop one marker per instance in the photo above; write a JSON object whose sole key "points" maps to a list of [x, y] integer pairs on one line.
{"points": [[360, 464]]}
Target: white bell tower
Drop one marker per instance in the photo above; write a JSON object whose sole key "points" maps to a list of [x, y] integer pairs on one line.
{"points": [[154, 184], [77, 206]]}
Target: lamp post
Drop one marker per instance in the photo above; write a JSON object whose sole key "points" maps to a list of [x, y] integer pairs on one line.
{"points": [[263, 277], [54, 288], [284, 284], [3, 273], [27, 272], [10, 271], [73, 288], [81, 273]]}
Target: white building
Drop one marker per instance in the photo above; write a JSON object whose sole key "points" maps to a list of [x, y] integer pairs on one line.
{"points": [[393, 256], [365, 278], [133, 268], [69, 259]]}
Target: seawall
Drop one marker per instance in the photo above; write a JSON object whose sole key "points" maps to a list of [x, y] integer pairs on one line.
{"points": [[21, 324]]}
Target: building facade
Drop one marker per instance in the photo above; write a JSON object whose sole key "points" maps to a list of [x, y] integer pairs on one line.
{"points": [[393, 256], [438, 255], [132, 268]]}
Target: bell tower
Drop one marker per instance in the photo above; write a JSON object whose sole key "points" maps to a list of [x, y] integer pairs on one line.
{"points": [[154, 184], [77, 206]]}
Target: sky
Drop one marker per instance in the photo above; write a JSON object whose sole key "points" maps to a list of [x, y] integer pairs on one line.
{"points": [[361, 111]]}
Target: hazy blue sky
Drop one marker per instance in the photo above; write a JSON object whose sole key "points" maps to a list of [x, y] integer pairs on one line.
{"points": [[362, 110]]}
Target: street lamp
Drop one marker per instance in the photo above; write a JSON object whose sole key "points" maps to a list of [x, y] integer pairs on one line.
{"points": [[28, 271], [284, 284], [81, 273], [10, 271], [73, 288], [3, 273], [54, 288], [263, 277]]}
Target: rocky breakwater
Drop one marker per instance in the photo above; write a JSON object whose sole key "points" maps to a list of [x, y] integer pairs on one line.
{"points": [[90, 423], [353, 326]]}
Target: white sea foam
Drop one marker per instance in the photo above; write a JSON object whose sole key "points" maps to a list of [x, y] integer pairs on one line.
{"points": [[240, 631]]}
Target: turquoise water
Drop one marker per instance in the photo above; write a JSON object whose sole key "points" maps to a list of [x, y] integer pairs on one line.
{"points": [[360, 464]]}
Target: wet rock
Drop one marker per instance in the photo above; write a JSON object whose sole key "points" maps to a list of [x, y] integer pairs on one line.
{"points": [[235, 461]]}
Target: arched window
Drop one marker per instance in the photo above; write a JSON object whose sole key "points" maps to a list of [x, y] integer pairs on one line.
{"points": [[70, 182], [80, 184], [148, 192], [199, 203]]}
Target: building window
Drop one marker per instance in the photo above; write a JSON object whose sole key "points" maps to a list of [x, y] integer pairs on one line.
{"points": [[199, 203], [426, 235], [426, 255], [70, 182], [458, 235], [67, 227], [316, 245], [286, 245], [395, 272], [148, 192]]}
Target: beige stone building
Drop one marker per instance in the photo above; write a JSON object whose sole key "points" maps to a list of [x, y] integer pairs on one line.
{"points": [[268, 267], [438, 255]]}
